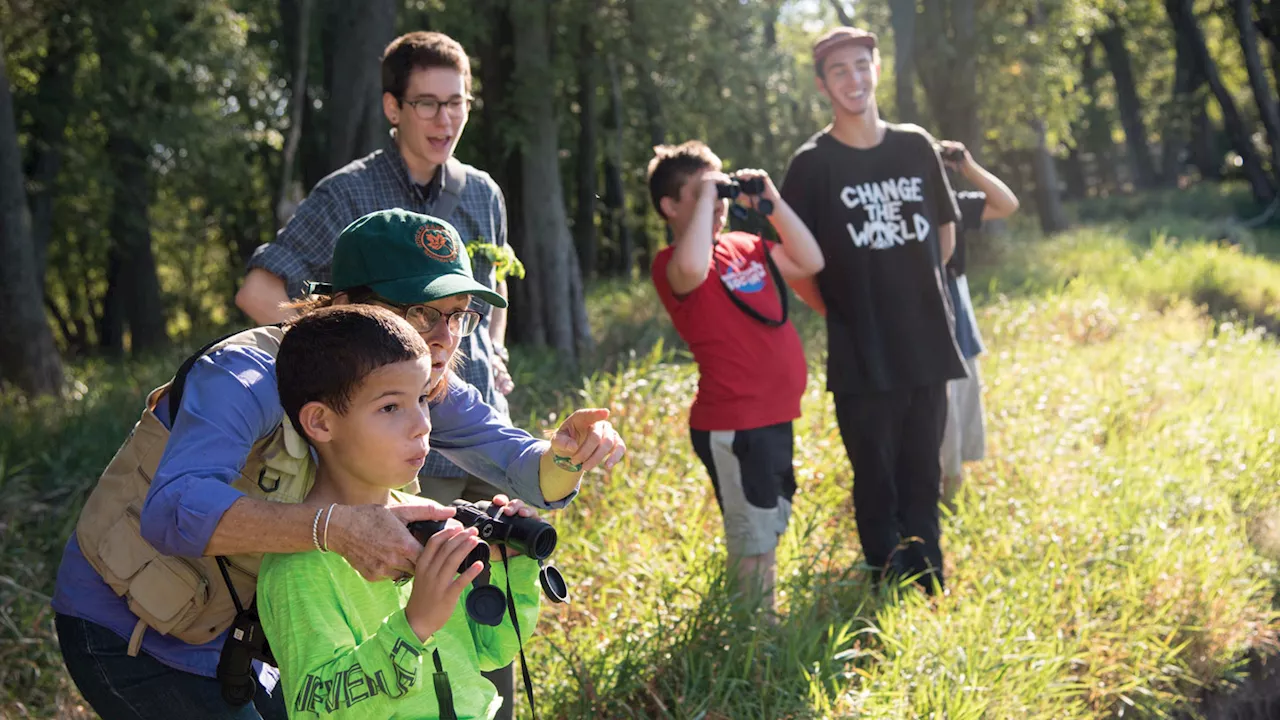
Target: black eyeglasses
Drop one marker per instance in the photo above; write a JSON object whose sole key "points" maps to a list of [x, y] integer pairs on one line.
{"points": [[428, 108], [424, 318]]}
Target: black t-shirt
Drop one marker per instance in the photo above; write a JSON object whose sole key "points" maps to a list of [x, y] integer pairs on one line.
{"points": [[875, 213], [972, 203]]}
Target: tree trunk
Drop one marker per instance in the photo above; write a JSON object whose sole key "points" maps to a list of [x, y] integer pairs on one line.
{"points": [[552, 262], [1135, 130], [133, 289], [1184, 22], [1048, 196], [947, 67], [584, 225], [356, 124], [1205, 154], [615, 194], [133, 294], [287, 196], [1178, 111], [54, 97], [1074, 175], [28, 358], [1097, 123], [644, 75], [902, 14], [1258, 80]]}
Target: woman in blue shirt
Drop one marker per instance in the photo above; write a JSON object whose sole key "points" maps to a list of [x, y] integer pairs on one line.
{"points": [[229, 404]]}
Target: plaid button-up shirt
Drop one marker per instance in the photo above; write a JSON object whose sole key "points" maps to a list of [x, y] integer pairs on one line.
{"points": [[303, 249]]}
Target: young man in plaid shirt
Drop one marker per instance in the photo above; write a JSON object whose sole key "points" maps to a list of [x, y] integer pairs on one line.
{"points": [[426, 84]]}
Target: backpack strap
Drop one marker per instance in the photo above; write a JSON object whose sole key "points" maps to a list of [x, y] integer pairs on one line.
{"points": [[180, 378], [453, 182]]}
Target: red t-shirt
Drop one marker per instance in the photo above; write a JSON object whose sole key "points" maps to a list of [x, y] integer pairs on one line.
{"points": [[751, 375]]}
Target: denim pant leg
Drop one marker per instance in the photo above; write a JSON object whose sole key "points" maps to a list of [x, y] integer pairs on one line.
{"points": [[120, 687]]}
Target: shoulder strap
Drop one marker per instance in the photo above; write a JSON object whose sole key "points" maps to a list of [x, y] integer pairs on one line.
{"points": [[180, 378], [778, 285], [453, 182]]}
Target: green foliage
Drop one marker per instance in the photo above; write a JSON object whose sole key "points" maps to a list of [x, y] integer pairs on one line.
{"points": [[503, 259], [1115, 552]]}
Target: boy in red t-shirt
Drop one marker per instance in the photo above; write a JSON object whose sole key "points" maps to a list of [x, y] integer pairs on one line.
{"points": [[725, 300]]}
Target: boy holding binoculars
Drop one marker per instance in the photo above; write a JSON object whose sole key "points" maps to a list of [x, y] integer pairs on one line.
{"points": [[726, 297], [354, 380]]}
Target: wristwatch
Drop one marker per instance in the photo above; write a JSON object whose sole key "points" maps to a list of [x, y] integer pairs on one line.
{"points": [[501, 352]]}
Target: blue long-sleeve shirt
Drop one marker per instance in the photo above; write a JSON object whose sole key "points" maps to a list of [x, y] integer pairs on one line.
{"points": [[229, 403]]}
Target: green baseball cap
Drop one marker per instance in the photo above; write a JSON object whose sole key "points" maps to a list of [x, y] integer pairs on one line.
{"points": [[405, 257]]}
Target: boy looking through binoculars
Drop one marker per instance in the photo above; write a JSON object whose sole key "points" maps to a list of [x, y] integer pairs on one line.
{"points": [[726, 297]]}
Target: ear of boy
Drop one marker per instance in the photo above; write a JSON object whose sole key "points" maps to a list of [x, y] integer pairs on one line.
{"points": [[317, 421]]}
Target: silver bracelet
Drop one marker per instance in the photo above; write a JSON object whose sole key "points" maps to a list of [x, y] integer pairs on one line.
{"points": [[315, 529], [328, 515]]}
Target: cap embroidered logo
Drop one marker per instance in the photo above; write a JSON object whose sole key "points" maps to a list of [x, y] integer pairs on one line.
{"points": [[436, 243]]}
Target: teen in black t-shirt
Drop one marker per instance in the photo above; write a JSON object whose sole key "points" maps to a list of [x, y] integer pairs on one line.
{"points": [[878, 202]]}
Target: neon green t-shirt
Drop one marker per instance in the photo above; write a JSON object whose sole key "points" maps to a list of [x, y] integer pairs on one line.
{"points": [[346, 650]]}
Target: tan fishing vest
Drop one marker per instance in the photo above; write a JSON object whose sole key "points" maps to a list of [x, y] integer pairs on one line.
{"points": [[183, 597]]}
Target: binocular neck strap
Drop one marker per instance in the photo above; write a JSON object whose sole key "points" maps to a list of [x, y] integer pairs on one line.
{"points": [[444, 693], [515, 623], [226, 577]]}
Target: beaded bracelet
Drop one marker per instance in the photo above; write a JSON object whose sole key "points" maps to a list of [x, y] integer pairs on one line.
{"points": [[315, 529]]}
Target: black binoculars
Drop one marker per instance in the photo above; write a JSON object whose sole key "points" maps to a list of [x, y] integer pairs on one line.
{"points": [[951, 155], [528, 536], [752, 187], [732, 189]]}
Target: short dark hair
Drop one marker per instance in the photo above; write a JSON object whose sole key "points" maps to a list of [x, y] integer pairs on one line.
{"points": [[327, 353], [421, 51], [673, 165]]}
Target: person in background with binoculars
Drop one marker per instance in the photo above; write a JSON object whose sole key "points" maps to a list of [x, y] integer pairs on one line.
{"points": [[355, 380], [726, 297]]}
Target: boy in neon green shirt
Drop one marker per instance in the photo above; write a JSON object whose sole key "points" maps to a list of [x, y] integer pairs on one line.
{"points": [[353, 379]]}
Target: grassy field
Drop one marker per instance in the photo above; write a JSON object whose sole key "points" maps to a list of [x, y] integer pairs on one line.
{"points": [[1114, 556]]}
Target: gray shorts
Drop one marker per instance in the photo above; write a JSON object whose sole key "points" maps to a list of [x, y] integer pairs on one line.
{"points": [[754, 481], [965, 437]]}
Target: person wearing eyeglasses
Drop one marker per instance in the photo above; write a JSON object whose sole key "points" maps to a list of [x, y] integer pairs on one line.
{"points": [[426, 97], [167, 547], [426, 83]]}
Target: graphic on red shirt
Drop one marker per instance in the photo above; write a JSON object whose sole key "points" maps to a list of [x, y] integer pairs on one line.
{"points": [[751, 374]]}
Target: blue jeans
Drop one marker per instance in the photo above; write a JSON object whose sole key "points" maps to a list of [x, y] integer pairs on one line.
{"points": [[120, 687]]}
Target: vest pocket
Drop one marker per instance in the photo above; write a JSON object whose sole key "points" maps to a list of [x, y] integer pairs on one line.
{"points": [[165, 592]]}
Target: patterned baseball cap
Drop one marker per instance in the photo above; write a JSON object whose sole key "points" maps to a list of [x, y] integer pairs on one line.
{"points": [[405, 257]]}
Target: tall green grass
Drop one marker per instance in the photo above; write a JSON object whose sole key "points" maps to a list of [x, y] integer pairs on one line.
{"points": [[1115, 555]]}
